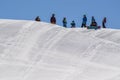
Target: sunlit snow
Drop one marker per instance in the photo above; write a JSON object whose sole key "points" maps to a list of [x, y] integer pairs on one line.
{"points": [[32, 50]]}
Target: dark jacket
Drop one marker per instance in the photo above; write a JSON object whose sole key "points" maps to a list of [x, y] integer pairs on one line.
{"points": [[104, 20], [37, 18], [84, 20], [53, 20], [73, 24], [64, 22]]}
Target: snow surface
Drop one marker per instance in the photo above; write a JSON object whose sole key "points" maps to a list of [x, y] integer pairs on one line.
{"points": [[32, 50]]}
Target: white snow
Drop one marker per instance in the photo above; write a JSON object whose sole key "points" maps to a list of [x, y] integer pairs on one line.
{"points": [[32, 50]]}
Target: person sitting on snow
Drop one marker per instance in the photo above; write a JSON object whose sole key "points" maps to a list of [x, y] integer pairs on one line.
{"points": [[93, 22], [37, 18]]}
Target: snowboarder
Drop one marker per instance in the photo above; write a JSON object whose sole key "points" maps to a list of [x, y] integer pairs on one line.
{"points": [[53, 19], [73, 24], [37, 18], [84, 21], [93, 22], [64, 22], [103, 22]]}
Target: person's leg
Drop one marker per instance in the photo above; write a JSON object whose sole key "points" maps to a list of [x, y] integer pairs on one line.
{"points": [[85, 25], [103, 24], [82, 25]]}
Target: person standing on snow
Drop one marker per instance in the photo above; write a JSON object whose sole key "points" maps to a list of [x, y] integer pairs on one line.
{"points": [[73, 24], [84, 21], [103, 22], [37, 18], [53, 19], [64, 22]]}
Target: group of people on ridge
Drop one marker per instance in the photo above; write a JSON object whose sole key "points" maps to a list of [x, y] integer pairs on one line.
{"points": [[93, 24]]}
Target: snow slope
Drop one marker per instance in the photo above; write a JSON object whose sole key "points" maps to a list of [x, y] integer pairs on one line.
{"points": [[32, 50]]}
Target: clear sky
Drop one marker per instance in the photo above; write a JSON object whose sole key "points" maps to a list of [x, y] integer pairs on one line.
{"points": [[71, 9]]}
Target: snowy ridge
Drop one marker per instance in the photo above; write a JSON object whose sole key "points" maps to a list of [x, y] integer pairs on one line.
{"points": [[32, 50]]}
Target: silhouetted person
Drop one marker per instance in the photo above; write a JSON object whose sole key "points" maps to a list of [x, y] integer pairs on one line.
{"points": [[93, 22], [103, 22], [53, 19], [73, 24], [37, 18], [64, 22], [84, 21]]}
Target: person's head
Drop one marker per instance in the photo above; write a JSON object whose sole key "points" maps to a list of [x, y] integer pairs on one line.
{"points": [[104, 17], [92, 16], [64, 18], [84, 15], [73, 21], [53, 14]]}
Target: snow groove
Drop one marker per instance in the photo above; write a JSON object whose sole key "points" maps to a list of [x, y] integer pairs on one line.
{"points": [[33, 64], [90, 51], [44, 51], [18, 40]]}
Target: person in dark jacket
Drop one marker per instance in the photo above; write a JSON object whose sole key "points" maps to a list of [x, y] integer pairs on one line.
{"points": [[37, 18], [103, 22], [93, 22], [64, 22], [73, 24], [84, 21], [53, 19]]}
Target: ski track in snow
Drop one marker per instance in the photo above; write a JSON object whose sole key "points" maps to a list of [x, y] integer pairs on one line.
{"points": [[14, 56], [51, 42]]}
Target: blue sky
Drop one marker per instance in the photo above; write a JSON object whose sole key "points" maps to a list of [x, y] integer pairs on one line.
{"points": [[71, 9]]}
